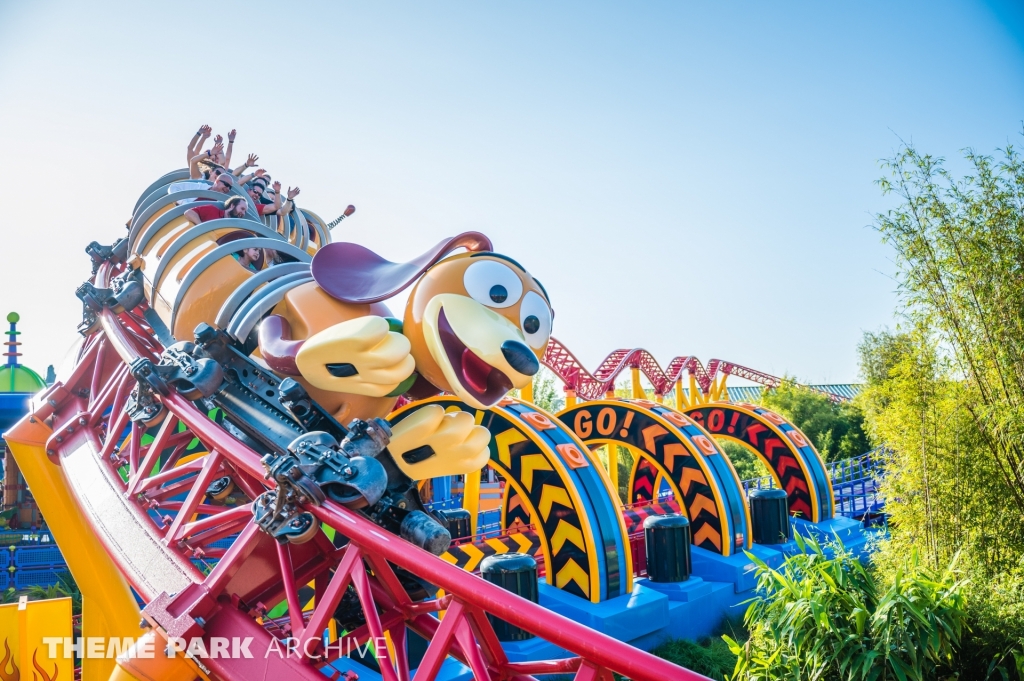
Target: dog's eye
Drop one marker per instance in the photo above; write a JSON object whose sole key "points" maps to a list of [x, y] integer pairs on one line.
{"points": [[493, 284], [535, 320]]}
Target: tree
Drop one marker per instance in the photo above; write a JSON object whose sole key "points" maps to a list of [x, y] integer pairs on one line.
{"points": [[747, 464], [837, 430], [944, 493], [960, 252], [880, 352], [547, 393]]}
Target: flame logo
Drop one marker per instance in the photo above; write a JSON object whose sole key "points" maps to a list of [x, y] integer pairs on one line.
{"points": [[45, 677], [15, 675]]}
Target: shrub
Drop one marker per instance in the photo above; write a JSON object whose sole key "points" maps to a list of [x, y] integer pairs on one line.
{"points": [[822, 617], [994, 648], [748, 466], [710, 657]]}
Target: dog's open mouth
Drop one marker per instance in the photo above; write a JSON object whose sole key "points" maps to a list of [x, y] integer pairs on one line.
{"points": [[484, 382]]}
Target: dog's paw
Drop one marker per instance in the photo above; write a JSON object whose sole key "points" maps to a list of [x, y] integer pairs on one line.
{"points": [[430, 443], [361, 356]]}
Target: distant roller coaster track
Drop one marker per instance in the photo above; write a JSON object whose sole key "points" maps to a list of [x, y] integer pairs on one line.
{"points": [[592, 386]]}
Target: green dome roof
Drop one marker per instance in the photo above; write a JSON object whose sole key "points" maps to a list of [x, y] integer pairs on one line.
{"points": [[20, 379]]}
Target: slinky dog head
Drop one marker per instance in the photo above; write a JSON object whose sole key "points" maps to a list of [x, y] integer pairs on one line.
{"points": [[478, 322]]}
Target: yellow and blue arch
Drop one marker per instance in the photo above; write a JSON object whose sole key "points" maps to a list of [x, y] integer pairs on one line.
{"points": [[792, 460], [563, 489], [685, 455]]}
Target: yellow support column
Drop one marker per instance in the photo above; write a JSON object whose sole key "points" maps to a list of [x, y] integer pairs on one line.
{"points": [[526, 394], [695, 392], [570, 398], [108, 607], [613, 466], [471, 498], [722, 393], [638, 391], [679, 394]]}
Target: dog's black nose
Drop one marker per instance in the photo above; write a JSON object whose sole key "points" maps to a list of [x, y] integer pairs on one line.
{"points": [[520, 357]]}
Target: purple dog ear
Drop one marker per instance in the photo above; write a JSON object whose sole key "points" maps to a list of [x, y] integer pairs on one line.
{"points": [[354, 274]]}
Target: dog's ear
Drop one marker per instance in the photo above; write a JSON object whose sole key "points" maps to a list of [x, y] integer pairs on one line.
{"points": [[354, 274]]}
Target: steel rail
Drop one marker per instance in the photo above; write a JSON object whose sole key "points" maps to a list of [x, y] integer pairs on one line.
{"points": [[594, 385], [597, 650]]}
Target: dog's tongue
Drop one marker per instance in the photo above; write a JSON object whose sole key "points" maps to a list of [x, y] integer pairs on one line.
{"points": [[475, 371]]}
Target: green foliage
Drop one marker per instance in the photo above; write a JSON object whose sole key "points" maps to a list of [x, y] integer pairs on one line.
{"points": [[45, 593], [625, 465], [70, 588], [9, 596], [829, 618], [945, 492], [959, 244], [64, 588], [946, 392], [837, 430], [995, 647], [547, 391], [711, 657], [880, 352], [747, 464]]}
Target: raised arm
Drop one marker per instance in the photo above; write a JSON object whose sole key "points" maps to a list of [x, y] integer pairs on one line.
{"points": [[290, 203], [249, 163], [249, 178], [193, 163], [218, 151], [197, 141], [231, 144], [276, 206]]}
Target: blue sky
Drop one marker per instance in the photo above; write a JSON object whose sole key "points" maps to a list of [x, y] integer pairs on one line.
{"points": [[689, 178]]}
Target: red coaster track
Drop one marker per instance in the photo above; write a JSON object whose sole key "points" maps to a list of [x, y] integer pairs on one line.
{"points": [[592, 386], [160, 524]]}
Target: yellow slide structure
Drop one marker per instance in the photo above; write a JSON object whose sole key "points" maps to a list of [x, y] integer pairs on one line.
{"points": [[108, 608]]}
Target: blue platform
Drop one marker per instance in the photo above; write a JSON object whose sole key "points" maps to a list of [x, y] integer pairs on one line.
{"points": [[719, 588]]}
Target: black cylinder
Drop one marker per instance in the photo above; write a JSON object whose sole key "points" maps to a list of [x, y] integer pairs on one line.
{"points": [[515, 572], [668, 547], [769, 515], [458, 523]]}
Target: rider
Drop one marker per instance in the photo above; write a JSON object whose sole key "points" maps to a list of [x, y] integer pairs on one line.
{"points": [[234, 207]]}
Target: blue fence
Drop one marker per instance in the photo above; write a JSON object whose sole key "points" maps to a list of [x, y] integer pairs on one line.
{"points": [[489, 521], [29, 559], [38, 557], [854, 482], [23, 579]]}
